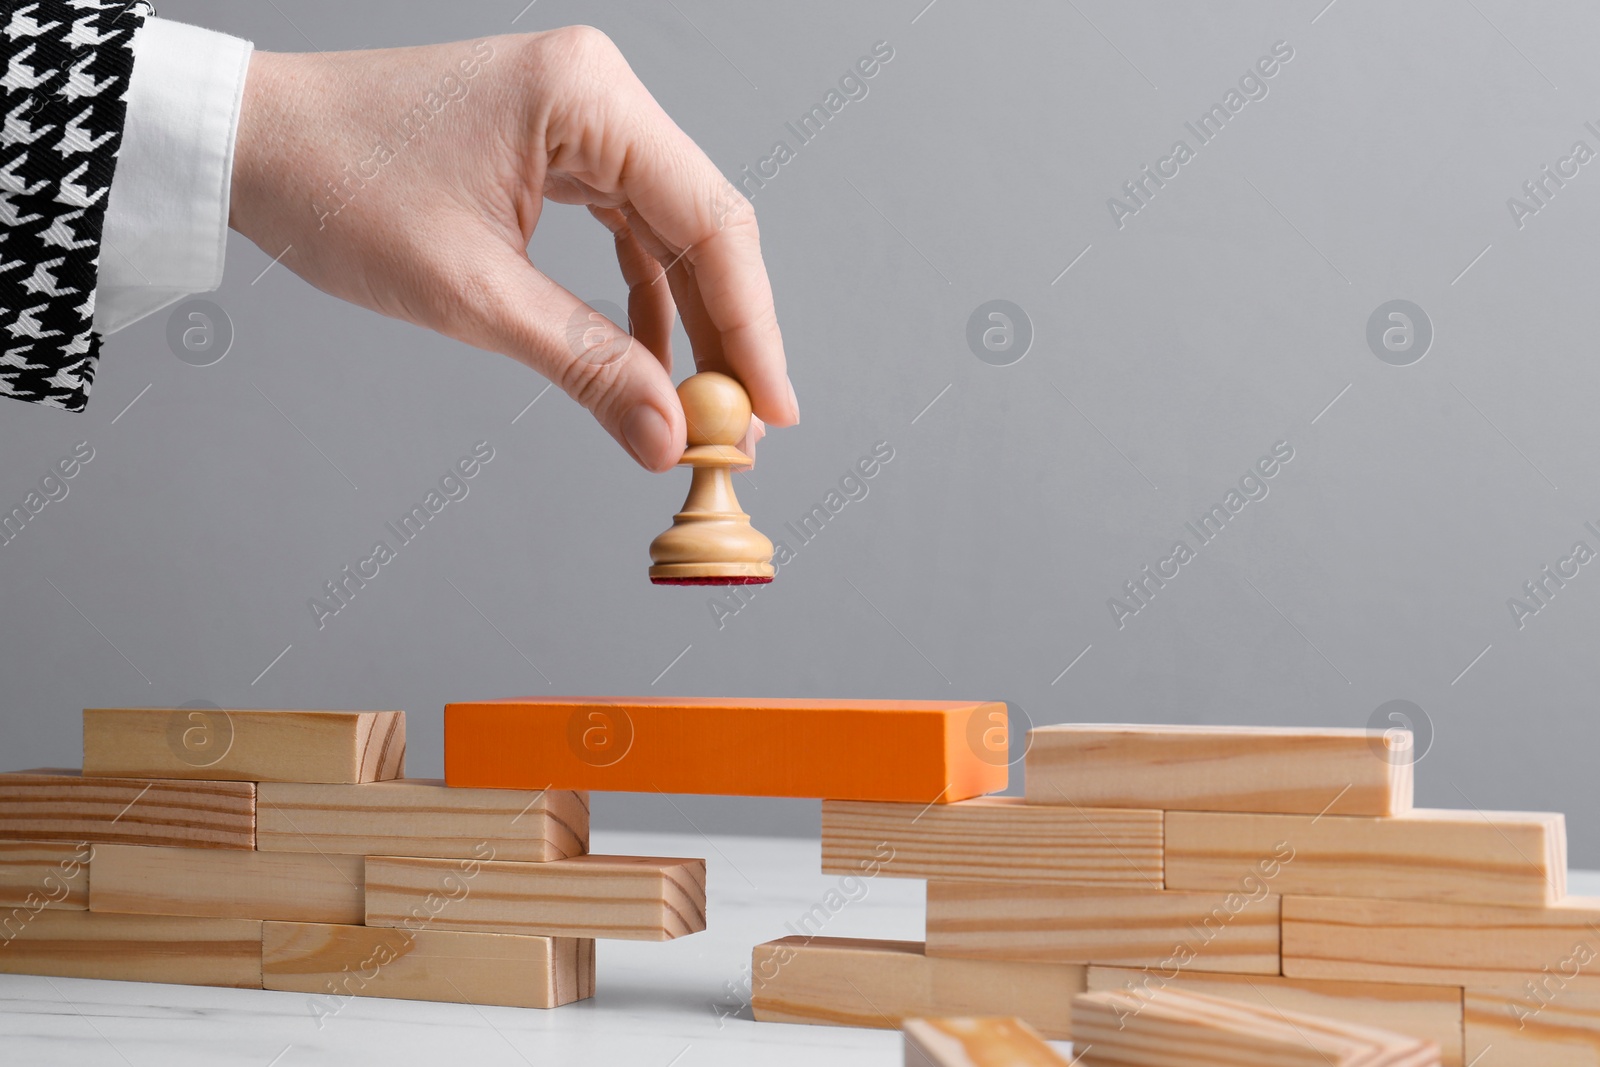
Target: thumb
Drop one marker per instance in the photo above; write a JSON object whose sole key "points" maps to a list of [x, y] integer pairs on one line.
{"points": [[596, 362]]}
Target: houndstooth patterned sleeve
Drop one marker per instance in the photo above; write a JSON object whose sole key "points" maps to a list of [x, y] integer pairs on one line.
{"points": [[63, 96]]}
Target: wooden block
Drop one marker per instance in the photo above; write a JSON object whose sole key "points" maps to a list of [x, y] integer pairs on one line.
{"points": [[291, 886], [1455, 856], [1549, 1026], [451, 966], [1221, 768], [1198, 931], [965, 1041], [1177, 1029], [1429, 1013], [1477, 945], [837, 981], [251, 745], [994, 839], [943, 751], [628, 898], [44, 874], [421, 817], [62, 805], [133, 948]]}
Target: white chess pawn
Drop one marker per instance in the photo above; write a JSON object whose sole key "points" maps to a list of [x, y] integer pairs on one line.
{"points": [[711, 541]]}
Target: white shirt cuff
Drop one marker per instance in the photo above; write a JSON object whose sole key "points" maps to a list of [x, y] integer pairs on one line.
{"points": [[166, 226]]}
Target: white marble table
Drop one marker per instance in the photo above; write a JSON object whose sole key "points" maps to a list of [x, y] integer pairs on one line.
{"points": [[657, 1005]]}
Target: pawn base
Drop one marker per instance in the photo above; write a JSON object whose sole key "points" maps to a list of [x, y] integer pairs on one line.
{"points": [[730, 579], [706, 573]]}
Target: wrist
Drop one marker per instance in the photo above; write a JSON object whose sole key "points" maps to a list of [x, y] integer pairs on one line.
{"points": [[258, 142]]}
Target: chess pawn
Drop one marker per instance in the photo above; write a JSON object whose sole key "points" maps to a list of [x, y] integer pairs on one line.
{"points": [[711, 541]]}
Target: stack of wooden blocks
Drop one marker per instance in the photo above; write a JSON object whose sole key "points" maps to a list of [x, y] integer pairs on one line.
{"points": [[1275, 867], [1153, 880], [286, 850]]}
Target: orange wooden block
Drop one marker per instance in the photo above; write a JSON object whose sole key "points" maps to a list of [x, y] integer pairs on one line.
{"points": [[905, 750]]}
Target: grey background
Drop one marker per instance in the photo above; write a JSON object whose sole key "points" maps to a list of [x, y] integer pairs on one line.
{"points": [[1223, 318]]}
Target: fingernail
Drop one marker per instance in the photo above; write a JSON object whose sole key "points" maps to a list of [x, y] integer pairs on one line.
{"points": [[647, 434], [794, 402]]}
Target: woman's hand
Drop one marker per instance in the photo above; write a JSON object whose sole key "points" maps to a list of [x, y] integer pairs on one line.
{"points": [[410, 180]]}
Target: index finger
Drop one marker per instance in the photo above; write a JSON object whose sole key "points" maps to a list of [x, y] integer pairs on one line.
{"points": [[700, 217]]}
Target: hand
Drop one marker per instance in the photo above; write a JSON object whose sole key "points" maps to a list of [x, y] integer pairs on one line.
{"points": [[410, 180]]}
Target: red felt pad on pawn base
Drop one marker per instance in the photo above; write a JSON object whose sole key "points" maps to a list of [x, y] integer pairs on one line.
{"points": [[739, 579]]}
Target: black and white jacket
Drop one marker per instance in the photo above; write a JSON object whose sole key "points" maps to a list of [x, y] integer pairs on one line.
{"points": [[63, 99]]}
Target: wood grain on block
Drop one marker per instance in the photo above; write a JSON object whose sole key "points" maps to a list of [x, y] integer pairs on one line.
{"points": [[456, 967], [62, 805], [1200, 931], [837, 981], [1002, 839], [628, 898], [943, 751], [294, 886], [421, 817], [1546, 1026], [1430, 1013], [44, 874], [967, 1041], [1475, 945], [1221, 768], [1178, 1029], [133, 948], [252, 745], [1426, 854]]}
